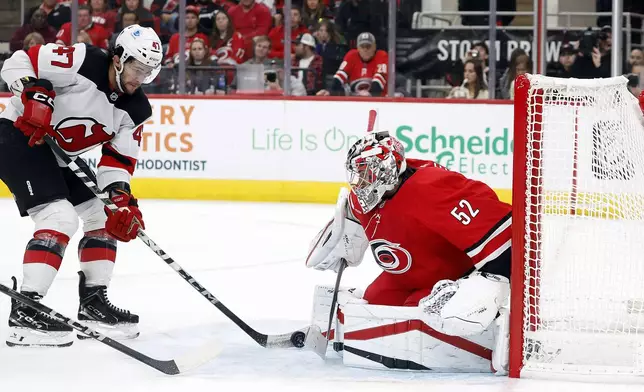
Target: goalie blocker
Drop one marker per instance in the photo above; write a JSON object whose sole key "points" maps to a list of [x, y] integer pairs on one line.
{"points": [[443, 242]]}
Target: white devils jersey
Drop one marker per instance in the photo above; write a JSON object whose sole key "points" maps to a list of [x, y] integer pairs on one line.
{"points": [[87, 111]]}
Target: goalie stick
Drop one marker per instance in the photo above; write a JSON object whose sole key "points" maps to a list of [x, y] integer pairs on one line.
{"points": [[84, 173], [171, 366]]}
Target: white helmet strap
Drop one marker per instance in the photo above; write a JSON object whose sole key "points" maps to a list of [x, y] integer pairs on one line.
{"points": [[118, 75]]}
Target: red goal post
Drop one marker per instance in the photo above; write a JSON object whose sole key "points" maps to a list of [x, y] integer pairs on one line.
{"points": [[577, 302]]}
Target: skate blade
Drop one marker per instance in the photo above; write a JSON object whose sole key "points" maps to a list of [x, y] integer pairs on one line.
{"points": [[26, 337], [121, 331]]}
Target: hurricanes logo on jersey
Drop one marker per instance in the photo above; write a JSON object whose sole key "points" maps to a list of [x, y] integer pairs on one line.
{"points": [[391, 257]]}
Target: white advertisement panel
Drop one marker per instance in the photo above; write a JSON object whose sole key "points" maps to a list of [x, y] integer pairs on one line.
{"points": [[298, 140]]}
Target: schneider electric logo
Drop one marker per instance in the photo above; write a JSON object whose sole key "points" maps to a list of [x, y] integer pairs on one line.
{"points": [[487, 152]]}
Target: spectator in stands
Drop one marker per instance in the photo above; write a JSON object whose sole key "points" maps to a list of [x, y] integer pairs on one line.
{"points": [[636, 57], [313, 12], [146, 19], [636, 80], [354, 17], [305, 57], [363, 71], [473, 86], [261, 48], [38, 24], [32, 39], [103, 16], [97, 35], [251, 20], [227, 44], [331, 48], [480, 52], [520, 63], [57, 14], [192, 32], [277, 35], [199, 81], [593, 55], [563, 68], [128, 18]]}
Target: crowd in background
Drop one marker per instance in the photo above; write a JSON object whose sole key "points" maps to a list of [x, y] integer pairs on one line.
{"points": [[229, 41]]}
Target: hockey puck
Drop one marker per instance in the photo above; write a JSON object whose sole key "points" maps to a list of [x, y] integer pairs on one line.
{"points": [[298, 339]]}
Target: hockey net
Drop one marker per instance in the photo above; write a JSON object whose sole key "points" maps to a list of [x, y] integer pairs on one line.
{"points": [[578, 220]]}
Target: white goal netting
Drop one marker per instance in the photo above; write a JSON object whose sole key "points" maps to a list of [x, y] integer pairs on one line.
{"points": [[583, 308]]}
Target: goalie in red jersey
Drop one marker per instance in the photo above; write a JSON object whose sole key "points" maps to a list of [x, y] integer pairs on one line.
{"points": [[443, 241]]}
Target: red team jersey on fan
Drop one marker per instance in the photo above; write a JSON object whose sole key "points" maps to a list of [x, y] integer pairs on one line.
{"points": [[173, 45], [97, 34], [232, 52], [359, 74], [438, 225]]}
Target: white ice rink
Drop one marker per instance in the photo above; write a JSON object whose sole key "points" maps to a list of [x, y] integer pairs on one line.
{"points": [[251, 257]]}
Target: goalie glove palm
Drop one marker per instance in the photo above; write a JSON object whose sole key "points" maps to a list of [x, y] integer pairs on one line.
{"points": [[342, 238]]}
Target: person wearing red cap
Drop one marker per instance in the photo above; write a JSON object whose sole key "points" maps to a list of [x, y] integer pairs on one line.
{"points": [[192, 32]]}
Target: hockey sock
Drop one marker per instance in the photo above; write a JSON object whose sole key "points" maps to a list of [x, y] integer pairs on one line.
{"points": [[42, 259], [97, 253]]}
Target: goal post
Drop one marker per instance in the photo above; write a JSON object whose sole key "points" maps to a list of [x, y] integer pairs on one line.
{"points": [[577, 290]]}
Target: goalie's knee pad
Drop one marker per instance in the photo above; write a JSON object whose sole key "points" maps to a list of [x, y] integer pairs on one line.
{"points": [[92, 213], [58, 216]]}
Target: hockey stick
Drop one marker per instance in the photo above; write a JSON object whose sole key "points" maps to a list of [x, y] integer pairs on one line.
{"points": [[292, 339], [315, 340], [172, 366]]}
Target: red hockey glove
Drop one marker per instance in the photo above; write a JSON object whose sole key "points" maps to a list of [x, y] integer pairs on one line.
{"points": [[126, 221], [38, 100]]}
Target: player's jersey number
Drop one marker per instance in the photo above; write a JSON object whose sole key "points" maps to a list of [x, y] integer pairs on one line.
{"points": [[65, 55], [464, 212]]}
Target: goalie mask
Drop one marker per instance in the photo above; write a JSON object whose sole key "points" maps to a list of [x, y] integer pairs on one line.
{"points": [[374, 164]]}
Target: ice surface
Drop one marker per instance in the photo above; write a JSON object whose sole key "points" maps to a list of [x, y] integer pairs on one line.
{"points": [[251, 257]]}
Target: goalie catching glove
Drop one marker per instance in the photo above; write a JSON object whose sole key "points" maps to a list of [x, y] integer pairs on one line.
{"points": [[341, 239], [467, 306], [124, 223]]}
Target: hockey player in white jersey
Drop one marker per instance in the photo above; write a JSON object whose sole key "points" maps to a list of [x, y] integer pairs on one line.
{"points": [[82, 98]]}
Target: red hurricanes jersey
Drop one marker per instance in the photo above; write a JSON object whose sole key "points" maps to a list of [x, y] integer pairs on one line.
{"points": [[232, 51], [439, 225], [97, 34], [173, 45], [359, 74]]}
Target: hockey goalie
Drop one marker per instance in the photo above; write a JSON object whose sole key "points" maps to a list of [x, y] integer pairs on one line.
{"points": [[443, 242]]}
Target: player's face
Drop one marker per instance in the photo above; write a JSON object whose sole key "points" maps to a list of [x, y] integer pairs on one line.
{"points": [[470, 73], [366, 52], [222, 21], [132, 4], [191, 21], [197, 51], [83, 18], [133, 75]]}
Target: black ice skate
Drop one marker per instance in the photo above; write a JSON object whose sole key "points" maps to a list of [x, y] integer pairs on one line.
{"points": [[28, 327], [97, 312]]}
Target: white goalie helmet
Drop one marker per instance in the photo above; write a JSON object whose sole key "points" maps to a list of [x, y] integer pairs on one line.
{"points": [[143, 45], [374, 165]]}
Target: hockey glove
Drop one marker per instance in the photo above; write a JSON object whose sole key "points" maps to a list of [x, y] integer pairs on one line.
{"points": [[38, 100], [124, 223]]}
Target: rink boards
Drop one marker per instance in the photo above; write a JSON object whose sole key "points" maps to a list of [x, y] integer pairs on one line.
{"points": [[293, 150]]}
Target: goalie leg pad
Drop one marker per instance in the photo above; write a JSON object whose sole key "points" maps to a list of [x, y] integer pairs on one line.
{"points": [[394, 337], [322, 298]]}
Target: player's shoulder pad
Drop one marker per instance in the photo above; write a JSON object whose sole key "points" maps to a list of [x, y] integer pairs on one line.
{"points": [[95, 67], [137, 106]]}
